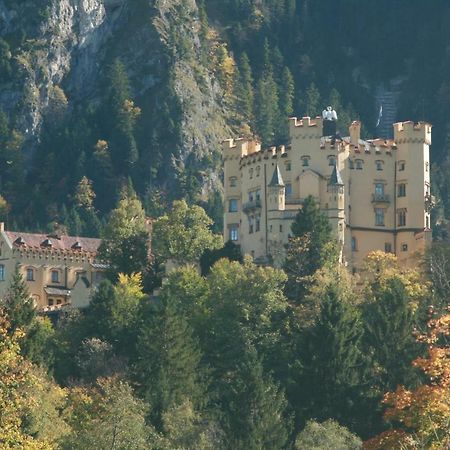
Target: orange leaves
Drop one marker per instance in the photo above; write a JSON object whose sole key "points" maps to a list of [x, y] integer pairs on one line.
{"points": [[425, 411]]}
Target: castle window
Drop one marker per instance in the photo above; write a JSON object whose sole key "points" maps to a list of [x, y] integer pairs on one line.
{"points": [[2, 272], [388, 247], [281, 228], [288, 190], [427, 166], [55, 276], [250, 225], [258, 195], [232, 205], [234, 232], [401, 217], [331, 160], [351, 164], [379, 165], [233, 181], [354, 244], [305, 161], [51, 302], [401, 190], [359, 164], [401, 166], [379, 217], [288, 166], [251, 173], [258, 170], [251, 196], [257, 222], [404, 247], [30, 274], [379, 190]]}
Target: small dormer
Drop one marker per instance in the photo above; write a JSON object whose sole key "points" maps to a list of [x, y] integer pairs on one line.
{"points": [[19, 241], [76, 246], [47, 243]]}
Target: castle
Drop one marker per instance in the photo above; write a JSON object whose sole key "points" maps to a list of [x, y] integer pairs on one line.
{"points": [[58, 270], [376, 193]]}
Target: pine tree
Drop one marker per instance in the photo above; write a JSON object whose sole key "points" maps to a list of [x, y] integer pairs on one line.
{"points": [[244, 90], [254, 406], [313, 100], [312, 224], [167, 366], [100, 312], [267, 112], [286, 104], [333, 383], [390, 325], [123, 115], [18, 304]]}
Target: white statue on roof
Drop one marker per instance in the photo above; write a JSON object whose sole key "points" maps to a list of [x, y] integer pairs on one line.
{"points": [[329, 114]]}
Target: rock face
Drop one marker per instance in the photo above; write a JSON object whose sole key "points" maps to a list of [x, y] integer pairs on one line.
{"points": [[71, 45]]}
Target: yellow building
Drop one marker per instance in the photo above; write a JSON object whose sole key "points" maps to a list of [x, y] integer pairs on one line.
{"points": [[58, 270], [376, 193]]}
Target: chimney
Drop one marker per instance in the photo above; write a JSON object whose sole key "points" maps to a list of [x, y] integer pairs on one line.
{"points": [[355, 132]]}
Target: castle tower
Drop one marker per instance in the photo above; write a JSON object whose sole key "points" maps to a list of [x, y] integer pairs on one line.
{"points": [[276, 191], [276, 205], [336, 204], [412, 187]]}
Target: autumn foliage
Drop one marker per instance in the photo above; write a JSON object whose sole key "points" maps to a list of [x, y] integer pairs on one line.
{"points": [[422, 416]]}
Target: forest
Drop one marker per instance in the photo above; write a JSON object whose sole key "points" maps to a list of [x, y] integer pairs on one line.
{"points": [[112, 111], [235, 356]]}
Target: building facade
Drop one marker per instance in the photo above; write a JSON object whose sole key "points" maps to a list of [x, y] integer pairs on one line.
{"points": [[58, 270], [376, 193]]}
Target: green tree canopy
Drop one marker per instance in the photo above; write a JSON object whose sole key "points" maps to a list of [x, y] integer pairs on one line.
{"points": [[125, 237], [184, 234]]}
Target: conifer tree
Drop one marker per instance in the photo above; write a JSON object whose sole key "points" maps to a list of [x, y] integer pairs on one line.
{"points": [[123, 115], [389, 322], [18, 304], [267, 111], [167, 366], [333, 383], [312, 105], [313, 229], [244, 90], [286, 104], [254, 406]]}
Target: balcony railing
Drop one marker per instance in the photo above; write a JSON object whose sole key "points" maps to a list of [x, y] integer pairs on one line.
{"points": [[252, 205], [294, 201], [380, 198]]}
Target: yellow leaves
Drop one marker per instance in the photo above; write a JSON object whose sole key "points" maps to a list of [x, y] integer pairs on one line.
{"points": [[130, 285], [133, 111], [384, 267]]}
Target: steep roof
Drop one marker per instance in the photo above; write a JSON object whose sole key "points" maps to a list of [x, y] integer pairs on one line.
{"points": [[277, 179], [66, 243], [336, 179]]}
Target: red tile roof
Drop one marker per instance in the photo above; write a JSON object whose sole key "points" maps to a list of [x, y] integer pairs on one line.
{"points": [[67, 243]]}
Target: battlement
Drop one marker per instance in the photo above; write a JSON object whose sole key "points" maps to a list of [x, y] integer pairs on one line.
{"points": [[409, 132], [240, 147], [374, 146], [304, 126], [270, 152]]}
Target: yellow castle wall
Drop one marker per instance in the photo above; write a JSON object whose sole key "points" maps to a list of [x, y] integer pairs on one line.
{"points": [[254, 168]]}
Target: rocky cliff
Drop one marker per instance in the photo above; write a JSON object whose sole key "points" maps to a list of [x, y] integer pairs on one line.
{"points": [[62, 56]]}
